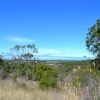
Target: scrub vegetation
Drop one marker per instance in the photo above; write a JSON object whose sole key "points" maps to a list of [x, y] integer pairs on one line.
{"points": [[25, 78]]}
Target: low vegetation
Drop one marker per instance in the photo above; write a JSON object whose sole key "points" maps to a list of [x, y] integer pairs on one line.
{"points": [[24, 78], [51, 83]]}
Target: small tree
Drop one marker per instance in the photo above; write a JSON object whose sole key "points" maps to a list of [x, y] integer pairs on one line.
{"points": [[23, 54]]}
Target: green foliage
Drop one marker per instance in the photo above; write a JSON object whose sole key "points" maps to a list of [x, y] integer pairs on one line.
{"points": [[1, 62], [15, 78], [30, 74], [39, 74], [65, 67], [41, 70], [47, 82], [24, 52], [6, 67], [93, 42], [46, 75], [97, 63], [22, 55], [85, 71], [93, 39], [83, 77], [79, 81]]}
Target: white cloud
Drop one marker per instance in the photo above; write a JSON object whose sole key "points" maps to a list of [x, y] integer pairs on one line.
{"points": [[21, 40], [49, 51]]}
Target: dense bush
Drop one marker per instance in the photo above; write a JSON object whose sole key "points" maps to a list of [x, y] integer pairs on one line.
{"points": [[47, 82], [46, 75]]}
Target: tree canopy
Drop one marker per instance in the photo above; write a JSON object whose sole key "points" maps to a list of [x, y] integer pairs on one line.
{"points": [[93, 39], [24, 52]]}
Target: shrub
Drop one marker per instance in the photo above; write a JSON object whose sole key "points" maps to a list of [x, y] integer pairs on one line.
{"points": [[82, 77], [46, 75], [30, 74], [15, 78], [47, 82], [79, 81]]}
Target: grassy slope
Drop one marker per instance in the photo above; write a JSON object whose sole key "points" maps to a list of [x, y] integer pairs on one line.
{"points": [[10, 90]]}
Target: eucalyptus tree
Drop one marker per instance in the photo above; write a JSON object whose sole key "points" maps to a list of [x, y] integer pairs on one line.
{"points": [[22, 54], [93, 39]]}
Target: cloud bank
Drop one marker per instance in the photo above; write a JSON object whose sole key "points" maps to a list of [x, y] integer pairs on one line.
{"points": [[21, 40]]}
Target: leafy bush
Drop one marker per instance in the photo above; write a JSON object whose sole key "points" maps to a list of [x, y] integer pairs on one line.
{"points": [[41, 70], [47, 82], [46, 75]]}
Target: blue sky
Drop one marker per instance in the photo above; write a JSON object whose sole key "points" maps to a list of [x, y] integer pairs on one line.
{"points": [[57, 27]]}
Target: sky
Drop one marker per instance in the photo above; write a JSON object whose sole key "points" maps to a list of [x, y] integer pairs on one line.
{"points": [[57, 27]]}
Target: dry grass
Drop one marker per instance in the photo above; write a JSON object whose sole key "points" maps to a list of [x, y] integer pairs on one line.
{"points": [[10, 90]]}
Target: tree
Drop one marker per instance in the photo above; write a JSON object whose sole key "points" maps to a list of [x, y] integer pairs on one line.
{"points": [[93, 39], [23, 53]]}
